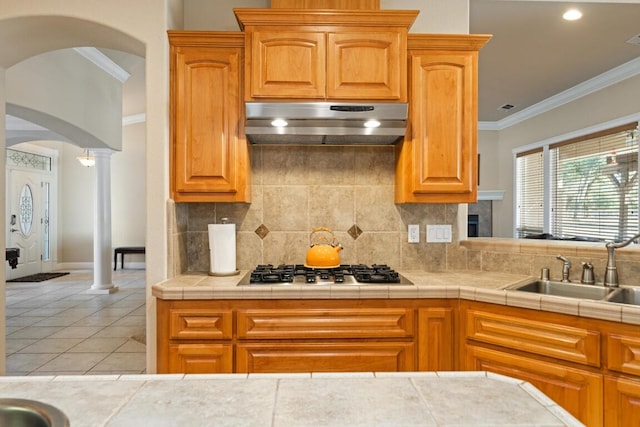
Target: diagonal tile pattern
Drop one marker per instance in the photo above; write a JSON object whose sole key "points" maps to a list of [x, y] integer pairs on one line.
{"points": [[56, 328]]}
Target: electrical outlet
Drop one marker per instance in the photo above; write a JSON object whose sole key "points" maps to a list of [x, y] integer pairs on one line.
{"points": [[414, 233], [439, 233]]}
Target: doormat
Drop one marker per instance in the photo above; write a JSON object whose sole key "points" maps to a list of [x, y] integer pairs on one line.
{"points": [[39, 277]]}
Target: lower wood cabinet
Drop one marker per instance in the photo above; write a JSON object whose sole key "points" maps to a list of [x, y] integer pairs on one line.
{"points": [[218, 336], [590, 367], [579, 391], [622, 397]]}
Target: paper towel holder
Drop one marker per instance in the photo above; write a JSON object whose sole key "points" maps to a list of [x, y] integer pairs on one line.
{"points": [[223, 220]]}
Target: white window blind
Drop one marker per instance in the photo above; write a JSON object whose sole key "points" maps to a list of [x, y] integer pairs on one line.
{"points": [[594, 185], [529, 193]]}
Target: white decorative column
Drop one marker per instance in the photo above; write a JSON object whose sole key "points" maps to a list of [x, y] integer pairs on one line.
{"points": [[102, 280]]}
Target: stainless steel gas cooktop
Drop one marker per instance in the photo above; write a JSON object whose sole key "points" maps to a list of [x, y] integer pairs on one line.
{"points": [[298, 274]]}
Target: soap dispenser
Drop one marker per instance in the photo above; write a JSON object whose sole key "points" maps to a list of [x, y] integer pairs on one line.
{"points": [[587, 274]]}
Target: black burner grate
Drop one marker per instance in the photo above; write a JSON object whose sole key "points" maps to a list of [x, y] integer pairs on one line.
{"points": [[286, 273]]}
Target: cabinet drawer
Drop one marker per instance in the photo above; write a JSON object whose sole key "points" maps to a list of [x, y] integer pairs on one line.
{"points": [[197, 324], [200, 358], [623, 353], [546, 339], [325, 323], [325, 357]]}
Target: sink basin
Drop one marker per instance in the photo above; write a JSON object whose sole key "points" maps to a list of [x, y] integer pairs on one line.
{"points": [[565, 289], [31, 413], [625, 296]]}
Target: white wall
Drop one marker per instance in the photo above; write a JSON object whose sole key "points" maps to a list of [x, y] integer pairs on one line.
{"points": [[437, 16], [3, 230], [128, 186], [83, 103], [616, 101]]}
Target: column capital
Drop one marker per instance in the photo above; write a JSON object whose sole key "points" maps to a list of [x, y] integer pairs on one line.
{"points": [[101, 152]]}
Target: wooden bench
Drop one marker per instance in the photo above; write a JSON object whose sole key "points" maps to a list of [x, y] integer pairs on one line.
{"points": [[125, 250]]}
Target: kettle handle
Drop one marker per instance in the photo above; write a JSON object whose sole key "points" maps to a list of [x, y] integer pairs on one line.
{"points": [[320, 229]]}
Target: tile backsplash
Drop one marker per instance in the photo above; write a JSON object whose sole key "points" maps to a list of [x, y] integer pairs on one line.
{"points": [[296, 188]]}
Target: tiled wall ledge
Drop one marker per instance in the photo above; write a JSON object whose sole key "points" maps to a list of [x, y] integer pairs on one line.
{"points": [[529, 256]]}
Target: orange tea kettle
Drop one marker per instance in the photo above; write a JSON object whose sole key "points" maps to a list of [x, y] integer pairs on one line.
{"points": [[324, 251]]}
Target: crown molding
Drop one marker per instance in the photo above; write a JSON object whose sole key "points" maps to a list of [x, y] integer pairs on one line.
{"points": [[608, 78], [104, 62], [133, 119], [490, 194]]}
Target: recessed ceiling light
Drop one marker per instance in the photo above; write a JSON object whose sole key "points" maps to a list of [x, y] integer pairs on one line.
{"points": [[572, 15]]}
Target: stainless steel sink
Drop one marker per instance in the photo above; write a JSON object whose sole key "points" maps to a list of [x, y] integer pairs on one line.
{"points": [[565, 289], [30, 413], [625, 296]]}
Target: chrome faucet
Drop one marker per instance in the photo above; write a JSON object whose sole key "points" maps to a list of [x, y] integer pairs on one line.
{"points": [[566, 267], [611, 272]]}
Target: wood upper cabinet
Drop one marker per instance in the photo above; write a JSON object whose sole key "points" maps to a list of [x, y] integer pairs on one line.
{"points": [[286, 64], [437, 161], [345, 55], [209, 153], [326, 4]]}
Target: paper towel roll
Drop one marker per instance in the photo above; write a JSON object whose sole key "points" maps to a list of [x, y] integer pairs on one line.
{"points": [[222, 249]]}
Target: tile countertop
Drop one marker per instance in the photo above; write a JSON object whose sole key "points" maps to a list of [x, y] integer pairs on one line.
{"points": [[361, 399], [468, 284]]}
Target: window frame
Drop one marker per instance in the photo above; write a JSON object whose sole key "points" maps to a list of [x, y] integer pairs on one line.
{"points": [[625, 123]]}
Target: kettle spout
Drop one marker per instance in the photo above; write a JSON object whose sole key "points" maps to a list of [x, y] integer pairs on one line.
{"points": [[338, 247]]}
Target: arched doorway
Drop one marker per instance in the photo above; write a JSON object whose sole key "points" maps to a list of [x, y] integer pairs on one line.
{"points": [[61, 32]]}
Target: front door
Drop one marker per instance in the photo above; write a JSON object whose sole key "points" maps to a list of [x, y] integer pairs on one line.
{"points": [[26, 220]]}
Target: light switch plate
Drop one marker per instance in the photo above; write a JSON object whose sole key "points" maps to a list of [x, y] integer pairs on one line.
{"points": [[414, 233], [439, 233]]}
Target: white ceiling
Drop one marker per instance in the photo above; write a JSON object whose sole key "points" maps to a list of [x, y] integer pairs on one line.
{"points": [[535, 54]]}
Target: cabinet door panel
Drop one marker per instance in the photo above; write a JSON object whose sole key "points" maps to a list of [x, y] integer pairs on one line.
{"points": [[437, 162], [442, 94], [363, 65], [200, 358], [325, 357], [622, 402], [287, 64], [435, 343], [325, 323], [578, 391], [206, 119]]}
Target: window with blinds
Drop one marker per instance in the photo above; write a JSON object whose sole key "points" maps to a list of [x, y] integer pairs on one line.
{"points": [[529, 193], [594, 185]]}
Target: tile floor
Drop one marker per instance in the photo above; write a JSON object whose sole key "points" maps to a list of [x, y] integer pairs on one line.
{"points": [[56, 328]]}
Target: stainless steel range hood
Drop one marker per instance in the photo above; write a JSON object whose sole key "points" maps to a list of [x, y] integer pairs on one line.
{"points": [[331, 123]]}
